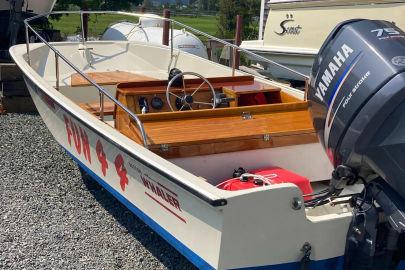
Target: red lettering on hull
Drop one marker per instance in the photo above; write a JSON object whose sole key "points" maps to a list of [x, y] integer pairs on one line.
{"points": [[121, 171], [80, 138], [102, 158], [86, 145], [76, 137], [165, 207], [166, 196], [68, 130]]}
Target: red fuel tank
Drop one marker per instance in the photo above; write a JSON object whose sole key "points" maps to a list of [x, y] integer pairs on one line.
{"points": [[267, 176]]}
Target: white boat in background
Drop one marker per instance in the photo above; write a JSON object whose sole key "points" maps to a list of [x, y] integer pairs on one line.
{"points": [[150, 29], [171, 150], [31, 6], [296, 29], [12, 15]]}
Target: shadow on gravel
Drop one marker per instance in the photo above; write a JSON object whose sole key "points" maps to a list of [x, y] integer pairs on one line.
{"points": [[156, 245]]}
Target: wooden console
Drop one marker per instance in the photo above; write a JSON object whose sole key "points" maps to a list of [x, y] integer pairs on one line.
{"points": [[284, 121]]}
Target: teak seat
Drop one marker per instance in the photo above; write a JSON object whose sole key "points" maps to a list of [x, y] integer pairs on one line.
{"points": [[204, 132], [94, 107], [108, 78]]}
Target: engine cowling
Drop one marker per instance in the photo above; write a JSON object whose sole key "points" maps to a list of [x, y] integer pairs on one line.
{"points": [[357, 99]]}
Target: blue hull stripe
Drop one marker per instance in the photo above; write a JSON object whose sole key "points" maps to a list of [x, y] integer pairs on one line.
{"points": [[329, 264], [188, 253]]}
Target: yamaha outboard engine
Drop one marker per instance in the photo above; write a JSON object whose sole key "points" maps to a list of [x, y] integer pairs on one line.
{"points": [[357, 101]]}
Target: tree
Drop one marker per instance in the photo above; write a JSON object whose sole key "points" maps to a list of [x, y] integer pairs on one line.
{"points": [[228, 9], [97, 4], [179, 3], [147, 4], [211, 5]]}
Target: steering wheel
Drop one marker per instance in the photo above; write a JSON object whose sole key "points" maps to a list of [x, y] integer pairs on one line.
{"points": [[186, 100]]}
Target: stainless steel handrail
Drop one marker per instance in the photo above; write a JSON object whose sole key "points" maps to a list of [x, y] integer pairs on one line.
{"points": [[101, 90], [236, 47], [172, 21]]}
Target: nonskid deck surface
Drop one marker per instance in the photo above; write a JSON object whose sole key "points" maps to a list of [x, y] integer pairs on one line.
{"points": [[109, 62]]}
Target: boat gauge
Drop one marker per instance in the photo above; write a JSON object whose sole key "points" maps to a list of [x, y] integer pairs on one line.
{"points": [[156, 103], [143, 104]]}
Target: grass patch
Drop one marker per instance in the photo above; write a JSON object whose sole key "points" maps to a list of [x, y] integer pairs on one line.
{"points": [[207, 24], [70, 24]]}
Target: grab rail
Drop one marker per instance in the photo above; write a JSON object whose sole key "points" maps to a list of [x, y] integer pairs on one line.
{"points": [[172, 21], [101, 90], [236, 47]]}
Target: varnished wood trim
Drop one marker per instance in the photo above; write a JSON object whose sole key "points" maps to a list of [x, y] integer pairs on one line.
{"points": [[224, 111], [235, 145], [108, 78], [213, 80], [94, 107], [286, 98]]}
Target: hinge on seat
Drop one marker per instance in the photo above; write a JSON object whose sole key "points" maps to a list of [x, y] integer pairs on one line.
{"points": [[246, 116], [164, 147], [266, 137]]}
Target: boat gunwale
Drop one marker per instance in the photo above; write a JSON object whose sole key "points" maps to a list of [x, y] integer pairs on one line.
{"points": [[23, 65]]}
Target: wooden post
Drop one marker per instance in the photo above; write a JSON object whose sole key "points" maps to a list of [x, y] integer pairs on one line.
{"points": [[306, 89], [85, 21], [166, 26], [261, 22], [238, 41]]}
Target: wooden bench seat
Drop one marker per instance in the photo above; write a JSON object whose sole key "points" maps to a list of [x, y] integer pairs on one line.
{"points": [[94, 107], [204, 132], [108, 78]]}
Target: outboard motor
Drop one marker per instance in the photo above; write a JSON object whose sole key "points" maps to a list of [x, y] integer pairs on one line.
{"points": [[357, 101]]}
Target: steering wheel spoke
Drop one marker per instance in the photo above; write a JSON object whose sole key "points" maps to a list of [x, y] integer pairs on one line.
{"points": [[187, 100], [171, 93], [203, 103], [198, 88]]}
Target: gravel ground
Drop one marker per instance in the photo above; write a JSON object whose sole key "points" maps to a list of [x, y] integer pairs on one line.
{"points": [[52, 219]]}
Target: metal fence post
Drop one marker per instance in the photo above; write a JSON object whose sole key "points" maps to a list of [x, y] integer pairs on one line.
{"points": [[165, 38], [82, 25], [238, 40], [57, 70], [27, 40], [171, 40], [101, 106]]}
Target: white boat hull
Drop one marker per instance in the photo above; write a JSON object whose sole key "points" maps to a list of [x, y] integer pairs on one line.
{"points": [[213, 228], [295, 30], [301, 62]]}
